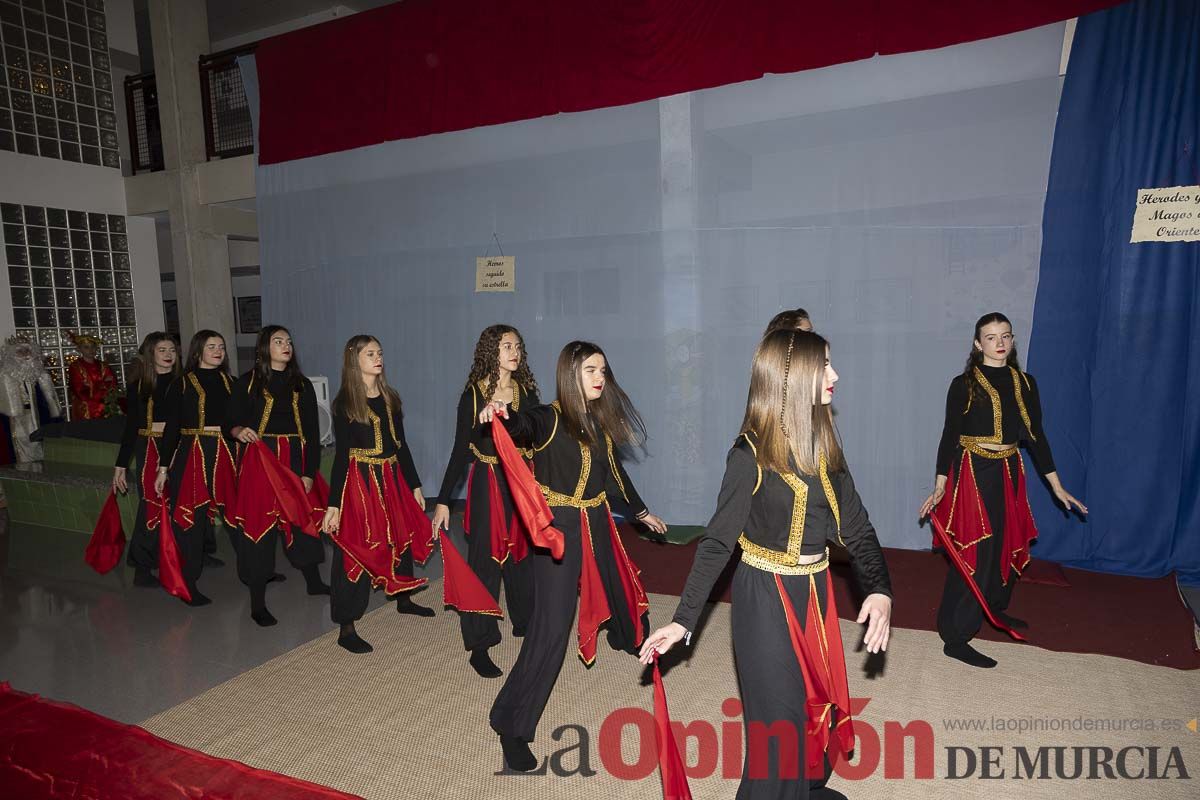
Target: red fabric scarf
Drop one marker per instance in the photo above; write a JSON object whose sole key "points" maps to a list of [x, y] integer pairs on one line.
{"points": [[818, 649], [170, 573], [527, 497], [107, 544], [461, 588], [270, 494], [670, 762]]}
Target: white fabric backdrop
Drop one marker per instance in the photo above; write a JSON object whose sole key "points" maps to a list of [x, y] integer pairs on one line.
{"points": [[896, 199]]}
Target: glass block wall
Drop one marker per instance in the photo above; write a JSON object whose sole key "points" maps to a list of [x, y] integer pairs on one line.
{"points": [[56, 90], [69, 272]]}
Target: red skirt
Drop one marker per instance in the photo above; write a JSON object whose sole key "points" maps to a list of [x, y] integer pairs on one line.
{"points": [[380, 522], [270, 494], [963, 510], [207, 481], [507, 536]]}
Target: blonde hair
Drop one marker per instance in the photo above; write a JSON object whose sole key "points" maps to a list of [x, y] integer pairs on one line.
{"points": [[351, 398], [793, 428]]}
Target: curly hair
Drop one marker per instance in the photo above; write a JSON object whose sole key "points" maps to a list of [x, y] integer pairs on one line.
{"points": [[486, 366]]}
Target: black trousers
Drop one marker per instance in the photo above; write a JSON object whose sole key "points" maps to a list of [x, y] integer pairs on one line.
{"points": [[256, 560], [959, 616], [771, 684], [483, 630], [348, 599], [523, 698], [143, 543]]}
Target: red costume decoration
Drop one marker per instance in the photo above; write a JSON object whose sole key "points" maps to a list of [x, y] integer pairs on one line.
{"points": [[107, 544], [93, 390]]}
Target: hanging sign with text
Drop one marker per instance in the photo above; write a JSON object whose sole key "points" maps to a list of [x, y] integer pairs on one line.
{"points": [[496, 274], [1167, 215]]}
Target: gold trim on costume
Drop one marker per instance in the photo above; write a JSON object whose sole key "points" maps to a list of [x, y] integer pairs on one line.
{"points": [[755, 560], [997, 413], [612, 463], [557, 410], [790, 558], [559, 499], [757, 466], [369, 460], [490, 460], [983, 452]]}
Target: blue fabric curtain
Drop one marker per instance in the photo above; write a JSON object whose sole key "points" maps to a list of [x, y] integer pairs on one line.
{"points": [[1116, 327]]}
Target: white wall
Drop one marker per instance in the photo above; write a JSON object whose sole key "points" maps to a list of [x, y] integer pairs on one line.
{"points": [[333, 12]]}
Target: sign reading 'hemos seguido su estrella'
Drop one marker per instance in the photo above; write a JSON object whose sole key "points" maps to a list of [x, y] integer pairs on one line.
{"points": [[1170, 214], [496, 274]]}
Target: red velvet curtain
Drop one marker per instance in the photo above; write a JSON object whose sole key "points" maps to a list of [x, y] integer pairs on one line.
{"points": [[429, 66]]}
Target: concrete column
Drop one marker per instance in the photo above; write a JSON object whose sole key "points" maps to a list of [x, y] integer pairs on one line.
{"points": [[179, 30], [679, 185]]}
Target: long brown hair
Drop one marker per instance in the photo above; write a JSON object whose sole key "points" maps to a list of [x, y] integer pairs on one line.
{"points": [[486, 364], [612, 413], [196, 350], [351, 398], [975, 359], [784, 409], [144, 373]]}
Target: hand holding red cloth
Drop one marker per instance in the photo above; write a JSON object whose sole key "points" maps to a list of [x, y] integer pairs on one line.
{"points": [[527, 497], [107, 544]]}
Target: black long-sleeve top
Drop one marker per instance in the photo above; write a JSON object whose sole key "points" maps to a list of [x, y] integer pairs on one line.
{"points": [[566, 466], [141, 415], [197, 399], [790, 515], [283, 409], [1004, 408], [381, 437], [468, 432]]}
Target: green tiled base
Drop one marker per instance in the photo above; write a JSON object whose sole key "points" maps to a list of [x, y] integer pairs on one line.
{"points": [[81, 451], [69, 508]]}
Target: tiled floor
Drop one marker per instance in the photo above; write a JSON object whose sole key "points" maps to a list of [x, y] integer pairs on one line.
{"points": [[129, 653]]}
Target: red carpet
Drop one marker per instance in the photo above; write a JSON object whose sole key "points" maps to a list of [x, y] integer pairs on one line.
{"points": [[1113, 615], [59, 751]]}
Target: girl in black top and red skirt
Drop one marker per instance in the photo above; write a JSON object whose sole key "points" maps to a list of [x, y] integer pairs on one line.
{"points": [[979, 496], [376, 513], [786, 494], [197, 455], [157, 366], [275, 404], [575, 461], [497, 546]]}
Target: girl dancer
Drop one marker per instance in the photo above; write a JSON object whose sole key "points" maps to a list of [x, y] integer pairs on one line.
{"points": [[574, 441], [496, 545], [991, 408], [276, 404], [197, 454], [156, 366], [376, 511], [786, 494]]}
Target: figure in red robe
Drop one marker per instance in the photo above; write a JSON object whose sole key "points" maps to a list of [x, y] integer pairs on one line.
{"points": [[93, 385]]}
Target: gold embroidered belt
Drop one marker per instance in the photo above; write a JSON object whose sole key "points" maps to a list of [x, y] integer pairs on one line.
{"points": [[983, 452], [281, 436], [371, 459], [154, 431], [207, 430], [492, 460], [554, 498], [778, 562]]}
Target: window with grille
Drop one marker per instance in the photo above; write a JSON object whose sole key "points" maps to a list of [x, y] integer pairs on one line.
{"points": [[69, 272], [56, 92]]}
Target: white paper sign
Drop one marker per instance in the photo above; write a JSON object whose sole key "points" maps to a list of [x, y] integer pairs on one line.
{"points": [[496, 274], [1171, 214]]}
